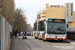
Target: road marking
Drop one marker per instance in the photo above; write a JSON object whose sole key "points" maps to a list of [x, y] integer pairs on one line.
{"points": [[27, 47], [24, 43]]}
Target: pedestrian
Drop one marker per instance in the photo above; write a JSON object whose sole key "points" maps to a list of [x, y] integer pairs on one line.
{"points": [[24, 35], [16, 33]]}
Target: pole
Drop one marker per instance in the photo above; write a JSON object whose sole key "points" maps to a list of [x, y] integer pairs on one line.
{"points": [[11, 35], [11, 15]]}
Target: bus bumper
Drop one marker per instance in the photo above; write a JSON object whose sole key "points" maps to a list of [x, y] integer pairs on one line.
{"points": [[55, 38]]}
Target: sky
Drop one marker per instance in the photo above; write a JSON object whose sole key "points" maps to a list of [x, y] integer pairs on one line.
{"points": [[31, 7]]}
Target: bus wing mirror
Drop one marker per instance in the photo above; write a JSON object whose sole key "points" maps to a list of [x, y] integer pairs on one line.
{"points": [[67, 25]]}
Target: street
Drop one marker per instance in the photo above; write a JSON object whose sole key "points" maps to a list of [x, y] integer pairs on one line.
{"points": [[35, 44], [18, 44]]}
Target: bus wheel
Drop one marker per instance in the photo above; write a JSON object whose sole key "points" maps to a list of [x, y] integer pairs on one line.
{"points": [[44, 40], [39, 38], [35, 38]]}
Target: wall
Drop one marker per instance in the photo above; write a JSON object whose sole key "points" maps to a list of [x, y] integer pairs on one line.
{"points": [[55, 12]]}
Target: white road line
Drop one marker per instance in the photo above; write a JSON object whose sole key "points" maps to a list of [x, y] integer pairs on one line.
{"points": [[24, 43], [27, 47]]}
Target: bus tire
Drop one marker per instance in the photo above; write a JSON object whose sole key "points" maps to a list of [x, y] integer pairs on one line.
{"points": [[39, 38], [44, 40], [35, 38]]}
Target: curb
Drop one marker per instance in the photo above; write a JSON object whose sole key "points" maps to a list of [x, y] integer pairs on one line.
{"points": [[8, 46], [70, 42], [67, 41]]}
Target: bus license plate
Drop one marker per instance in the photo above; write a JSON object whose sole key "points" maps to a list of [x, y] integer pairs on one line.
{"points": [[56, 39]]}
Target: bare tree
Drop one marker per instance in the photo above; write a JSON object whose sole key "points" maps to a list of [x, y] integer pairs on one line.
{"points": [[6, 9], [20, 20]]}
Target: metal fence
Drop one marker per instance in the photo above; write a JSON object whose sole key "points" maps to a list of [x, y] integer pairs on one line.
{"points": [[5, 29]]}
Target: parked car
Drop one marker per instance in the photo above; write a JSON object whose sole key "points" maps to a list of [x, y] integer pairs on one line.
{"points": [[28, 33]]}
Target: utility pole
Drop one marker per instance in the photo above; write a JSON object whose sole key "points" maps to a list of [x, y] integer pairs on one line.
{"points": [[11, 15], [11, 35]]}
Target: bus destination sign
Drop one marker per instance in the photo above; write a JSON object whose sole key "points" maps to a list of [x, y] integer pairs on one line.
{"points": [[57, 20]]}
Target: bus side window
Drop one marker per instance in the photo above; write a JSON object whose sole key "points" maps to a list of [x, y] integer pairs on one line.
{"points": [[42, 27]]}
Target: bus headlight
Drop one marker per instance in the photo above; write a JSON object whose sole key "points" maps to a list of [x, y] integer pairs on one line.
{"points": [[64, 37], [47, 36]]}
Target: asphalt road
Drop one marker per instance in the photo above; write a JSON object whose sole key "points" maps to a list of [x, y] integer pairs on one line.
{"points": [[35, 44]]}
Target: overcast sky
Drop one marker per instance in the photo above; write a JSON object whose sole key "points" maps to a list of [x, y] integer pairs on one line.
{"points": [[31, 7]]}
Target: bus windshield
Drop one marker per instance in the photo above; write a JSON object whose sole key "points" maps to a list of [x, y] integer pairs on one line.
{"points": [[56, 28]]}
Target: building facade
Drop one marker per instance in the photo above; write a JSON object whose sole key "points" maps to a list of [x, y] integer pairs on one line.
{"points": [[53, 12]]}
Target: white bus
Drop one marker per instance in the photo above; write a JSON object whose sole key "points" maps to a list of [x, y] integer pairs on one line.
{"points": [[35, 30], [51, 29]]}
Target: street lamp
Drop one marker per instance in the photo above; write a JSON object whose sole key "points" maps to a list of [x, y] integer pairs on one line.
{"points": [[11, 14]]}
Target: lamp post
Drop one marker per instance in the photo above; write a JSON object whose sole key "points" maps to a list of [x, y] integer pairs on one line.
{"points": [[11, 15], [11, 35]]}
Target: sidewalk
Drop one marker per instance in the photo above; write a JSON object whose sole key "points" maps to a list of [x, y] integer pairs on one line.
{"points": [[71, 41], [18, 44]]}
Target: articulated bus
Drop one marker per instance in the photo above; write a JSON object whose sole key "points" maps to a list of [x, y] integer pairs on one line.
{"points": [[51, 29], [35, 30]]}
